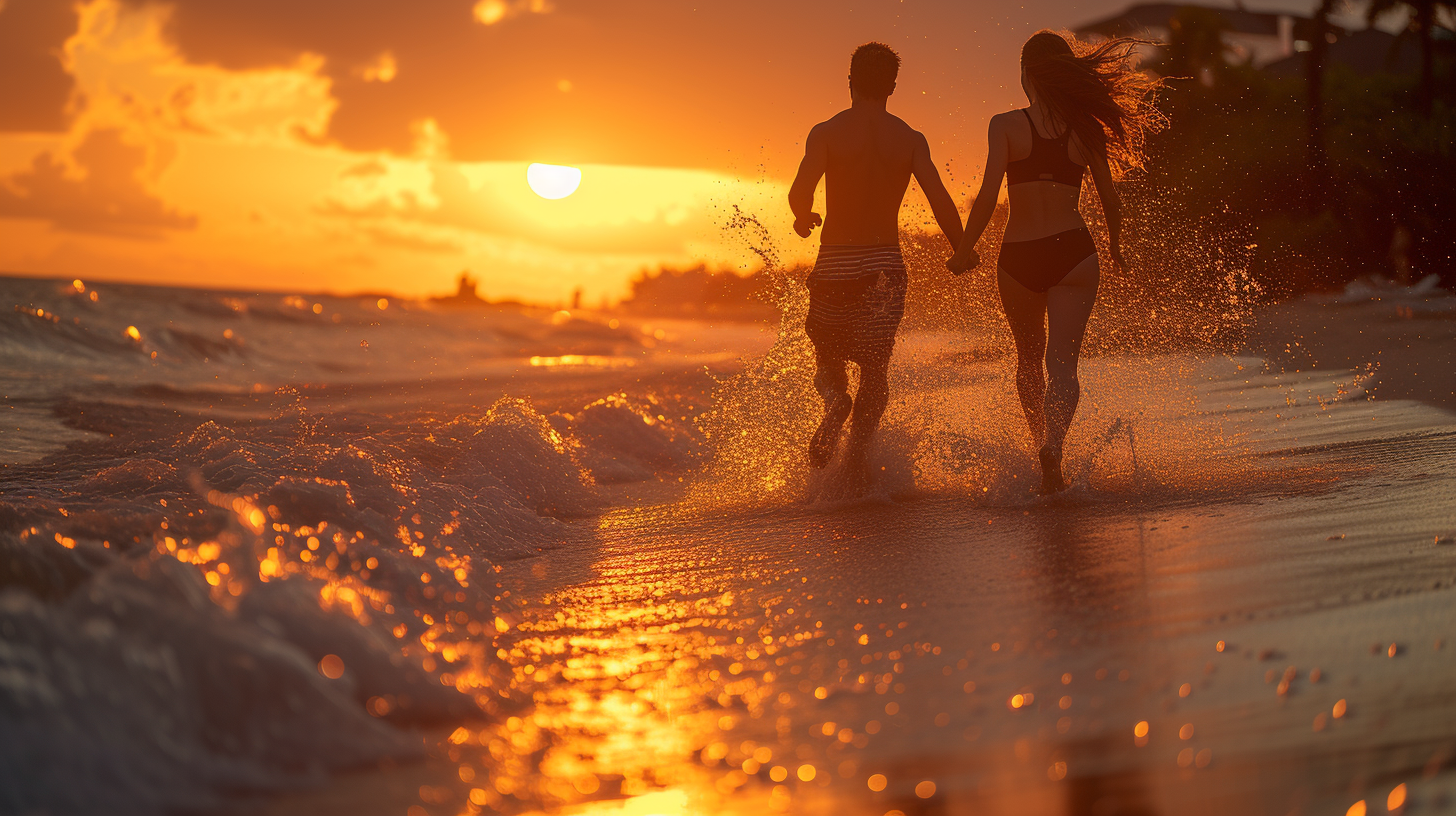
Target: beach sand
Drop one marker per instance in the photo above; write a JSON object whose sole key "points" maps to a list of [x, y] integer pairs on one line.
{"points": [[1407, 344]]}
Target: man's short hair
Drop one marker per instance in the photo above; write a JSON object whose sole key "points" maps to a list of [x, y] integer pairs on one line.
{"points": [[872, 70]]}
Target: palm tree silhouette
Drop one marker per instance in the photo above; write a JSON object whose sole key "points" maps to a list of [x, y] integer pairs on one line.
{"points": [[1422, 25], [1196, 46], [1314, 66]]}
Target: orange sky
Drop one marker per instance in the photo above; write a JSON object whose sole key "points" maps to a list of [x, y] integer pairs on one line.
{"points": [[364, 145]]}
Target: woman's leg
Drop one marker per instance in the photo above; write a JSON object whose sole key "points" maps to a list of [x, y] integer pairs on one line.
{"points": [[1026, 313], [1069, 305]]}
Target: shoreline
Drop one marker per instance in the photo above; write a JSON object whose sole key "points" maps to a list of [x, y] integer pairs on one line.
{"points": [[1406, 345]]}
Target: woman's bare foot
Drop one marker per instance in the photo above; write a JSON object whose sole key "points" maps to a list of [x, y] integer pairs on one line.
{"points": [[1051, 470], [826, 439]]}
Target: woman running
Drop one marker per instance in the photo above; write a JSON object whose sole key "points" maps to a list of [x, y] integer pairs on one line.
{"points": [[1089, 110]]}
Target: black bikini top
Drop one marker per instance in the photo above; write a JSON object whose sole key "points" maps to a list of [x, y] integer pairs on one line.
{"points": [[1048, 161]]}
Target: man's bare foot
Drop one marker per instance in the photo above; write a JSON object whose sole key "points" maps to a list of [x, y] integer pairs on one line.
{"points": [[856, 470], [826, 439], [1051, 471]]}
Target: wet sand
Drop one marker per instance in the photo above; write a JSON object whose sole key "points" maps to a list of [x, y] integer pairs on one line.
{"points": [[1282, 645], [1100, 618], [1406, 344]]}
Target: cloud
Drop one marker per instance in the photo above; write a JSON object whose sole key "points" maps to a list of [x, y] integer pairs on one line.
{"points": [[617, 210], [134, 95], [416, 239], [382, 186], [365, 169], [382, 68], [130, 75], [655, 83], [490, 12], [101, 193], [33, 83]]}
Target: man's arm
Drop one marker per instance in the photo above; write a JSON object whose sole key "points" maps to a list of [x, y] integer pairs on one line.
{"points": [[985, 206], [801, 194], [941, 204]]}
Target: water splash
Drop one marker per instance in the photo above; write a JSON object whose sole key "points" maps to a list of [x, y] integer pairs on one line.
{"points": [[762, 416], [954, 426]]}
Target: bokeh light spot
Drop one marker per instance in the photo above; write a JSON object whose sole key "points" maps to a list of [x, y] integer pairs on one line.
{"points": [[331, 667]]}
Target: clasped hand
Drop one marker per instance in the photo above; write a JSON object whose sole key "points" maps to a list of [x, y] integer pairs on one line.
{"points": [[965, 259], [1119, 263]]}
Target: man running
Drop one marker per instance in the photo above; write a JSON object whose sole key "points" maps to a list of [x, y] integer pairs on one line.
{"points": [[857, 288]]}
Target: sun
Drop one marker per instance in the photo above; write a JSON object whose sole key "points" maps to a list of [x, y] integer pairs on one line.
{"points": [[553, 180]]}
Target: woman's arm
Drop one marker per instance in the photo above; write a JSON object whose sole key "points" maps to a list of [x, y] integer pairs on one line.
{"points": [[985, 206], [1111, 204]]}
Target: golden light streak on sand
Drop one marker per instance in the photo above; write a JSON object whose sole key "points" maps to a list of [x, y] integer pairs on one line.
{"points": [[583, 360]]}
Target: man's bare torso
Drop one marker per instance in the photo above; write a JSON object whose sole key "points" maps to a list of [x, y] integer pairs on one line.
{"points": [[871, 155]]}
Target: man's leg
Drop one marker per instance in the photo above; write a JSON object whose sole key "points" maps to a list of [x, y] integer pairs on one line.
{"points": [[832, 382], [884, 305], [869, 403]]}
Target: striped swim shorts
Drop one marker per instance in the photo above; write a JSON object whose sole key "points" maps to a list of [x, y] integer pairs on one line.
{"points": [[856, 300]]}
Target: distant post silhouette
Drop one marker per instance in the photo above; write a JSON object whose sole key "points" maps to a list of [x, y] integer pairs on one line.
{"points": [[467, 286]]}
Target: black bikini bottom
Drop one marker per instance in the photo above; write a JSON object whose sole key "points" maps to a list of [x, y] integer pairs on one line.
{"points": [[1041, 264]]}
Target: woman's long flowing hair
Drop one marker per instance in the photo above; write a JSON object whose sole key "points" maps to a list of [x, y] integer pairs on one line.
{"points": [[1097, 92]]}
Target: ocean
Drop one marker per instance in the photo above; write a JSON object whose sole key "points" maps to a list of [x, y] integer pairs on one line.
{"points": [[287, 553]]}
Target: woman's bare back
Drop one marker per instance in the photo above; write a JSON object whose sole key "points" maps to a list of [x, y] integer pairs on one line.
{"points": [[1039, 208]]}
